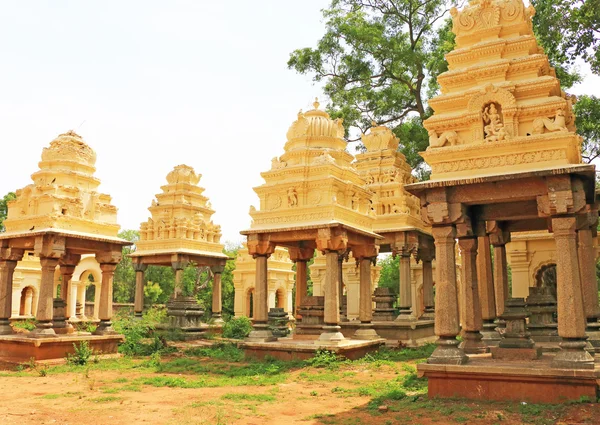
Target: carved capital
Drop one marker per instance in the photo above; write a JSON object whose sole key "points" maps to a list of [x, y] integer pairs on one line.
{"points": [[179, 262], [301, 254], [112, 256], [425, 254], [50, 246], [468, 244], [365, 251], [70, 259], [498, 235], [11, 254], [218, 269], [444, 234], [48, 263], [332, 239], [260, 245], [565, 196], [108, 268], [138, 266], [565, 227]]}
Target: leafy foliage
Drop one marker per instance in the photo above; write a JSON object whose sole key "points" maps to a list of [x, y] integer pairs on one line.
{"points": [[4, 208], [587, 111], [82, 354], [139, 334], [237, 328]]}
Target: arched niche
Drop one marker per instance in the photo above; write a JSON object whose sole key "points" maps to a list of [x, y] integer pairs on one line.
{"points": [[28, 300], [507, 104]]}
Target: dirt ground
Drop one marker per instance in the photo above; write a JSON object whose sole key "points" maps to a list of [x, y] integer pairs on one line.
{"points": [[124, 392]]}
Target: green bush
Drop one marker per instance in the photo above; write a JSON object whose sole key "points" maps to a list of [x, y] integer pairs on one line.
{"points": [[27, 324], [325, 358], [139, 334], [237, 328], [82, 354]]}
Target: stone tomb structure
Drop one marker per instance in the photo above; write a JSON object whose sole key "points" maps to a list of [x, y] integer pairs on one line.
{"points": [[60, 218], [280, 282], [505, 158], [178, 233], [398, 220], [313, 198]]}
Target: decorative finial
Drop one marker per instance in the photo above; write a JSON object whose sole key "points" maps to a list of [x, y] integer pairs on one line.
{"points": [[373, 123], [316, 103]]}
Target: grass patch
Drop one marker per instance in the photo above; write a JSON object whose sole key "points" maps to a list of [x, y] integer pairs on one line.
{"points": [[219, 351], [261, 398], [107, 399]]}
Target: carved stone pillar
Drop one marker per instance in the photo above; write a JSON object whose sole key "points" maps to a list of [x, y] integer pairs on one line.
{"points": [[331, 315], [571, 315], [587, 270], [61, 306], [138, 306], [45, 300], [301, 285], [487, 299], [261, 331], [405, 292], [217, 302], [472, 325], [8, 263], [365, 256], [428, 297], [178, 266], [106, 299], [447, 324]]}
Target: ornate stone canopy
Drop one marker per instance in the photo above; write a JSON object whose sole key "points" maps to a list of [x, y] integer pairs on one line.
{"points": [[64, 194], [501, 109]]}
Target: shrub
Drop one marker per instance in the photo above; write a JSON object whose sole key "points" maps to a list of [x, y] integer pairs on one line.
{"points": [[136, 331], [237, 328], [27, 324], [325, 358], [82, 354]]}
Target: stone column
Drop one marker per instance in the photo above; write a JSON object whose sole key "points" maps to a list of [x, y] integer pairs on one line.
{"points": [[261, 331], [587, 270], [217, 303], [341, 257], [487, 298], [331, 316], [178, 290], [500, 278], [472, 325], [428, 298], [365, 311], [405, 295], [7, 268], [301, 285], [80, 303], [447, 324], [106, 299], [571, 315], [62, 305], [45, 300], [138, 306]]}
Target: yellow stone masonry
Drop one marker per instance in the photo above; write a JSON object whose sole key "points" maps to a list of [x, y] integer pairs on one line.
{"points": [[314, 182], [64, 193], [180, 218], [501, 109], [385, 172]]}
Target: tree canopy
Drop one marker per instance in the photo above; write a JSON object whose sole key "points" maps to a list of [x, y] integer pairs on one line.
{"points": [[4, 208]]}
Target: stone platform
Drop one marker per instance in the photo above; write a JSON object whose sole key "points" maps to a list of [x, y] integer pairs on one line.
{"points": [[15, 349], [528, 381], [190, 333], [304, 348], [412, 333]]}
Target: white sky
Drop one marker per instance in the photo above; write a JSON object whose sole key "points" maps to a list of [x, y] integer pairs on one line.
{"points": [[157, 84]]}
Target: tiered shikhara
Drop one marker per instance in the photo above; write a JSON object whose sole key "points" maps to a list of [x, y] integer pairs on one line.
{"points": [[64, 193], [181, 217], [501, 108]]}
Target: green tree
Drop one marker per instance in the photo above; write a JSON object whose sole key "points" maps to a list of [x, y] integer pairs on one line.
{"points": [[390, 273], [4, 208], [124, 279], [378, 61]]}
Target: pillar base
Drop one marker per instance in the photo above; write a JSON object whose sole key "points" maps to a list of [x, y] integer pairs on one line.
{"points": [[405, 317], [365, 333], [5, 328], [137, 315], [43, 330], [491, 337], [429, 313], [260, 333], [217, 319], [593, 332], [472, 343], [330, 335], [105, 328], [572, 355], [448, 352]]}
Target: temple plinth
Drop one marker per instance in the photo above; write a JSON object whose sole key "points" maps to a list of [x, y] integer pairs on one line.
{"points": [[180, 232], [505, 158], [313, 198], [60, 217]]}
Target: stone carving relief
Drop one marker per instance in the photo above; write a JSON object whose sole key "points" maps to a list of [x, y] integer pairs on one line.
{"points": [[292, 196], [277, 164], [551, 125], [447, 137], [324, 159], [273, 202], [493, 125], [483, 14], [380, 138]]}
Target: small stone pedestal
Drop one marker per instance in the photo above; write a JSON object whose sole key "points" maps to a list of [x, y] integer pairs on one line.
{"points": [[278, 322], [572, 355], [592, 330], [448, 352], [59, 321], [185, 313], [384, 305], [516, 343], [331, 335], [365, 332], [490, 335], [312, 311], [542, 306]]}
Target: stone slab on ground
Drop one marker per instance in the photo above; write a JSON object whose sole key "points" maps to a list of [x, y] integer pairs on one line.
{"points": [[411, 333], [516, 354], [302, 349], [483, 378], [21, 349]]}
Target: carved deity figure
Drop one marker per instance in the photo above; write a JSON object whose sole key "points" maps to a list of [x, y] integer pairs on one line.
{"points": [[292, 197], [355, 201], [558, 124], [494, 128], [446, 137]]}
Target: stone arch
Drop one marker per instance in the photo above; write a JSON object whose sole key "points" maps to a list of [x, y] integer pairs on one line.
{"points": [[249, 302], [28, 300], [545, 275], [508, 106]]}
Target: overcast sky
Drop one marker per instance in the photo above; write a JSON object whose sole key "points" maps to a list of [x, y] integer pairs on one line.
{"points": [[153, 84]]}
